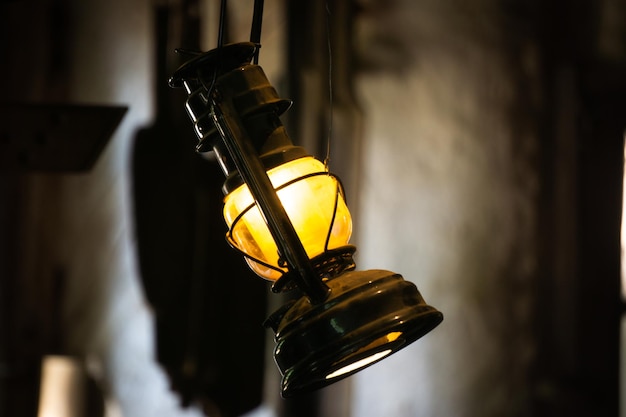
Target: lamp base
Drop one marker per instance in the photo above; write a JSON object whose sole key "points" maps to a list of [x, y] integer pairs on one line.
{"points": [[367, 316]]}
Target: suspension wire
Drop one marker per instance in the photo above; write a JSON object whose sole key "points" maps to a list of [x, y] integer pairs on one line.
{"points": [[330, 88], [220, 33], [220, 43], [255, 31], [255, 35]]}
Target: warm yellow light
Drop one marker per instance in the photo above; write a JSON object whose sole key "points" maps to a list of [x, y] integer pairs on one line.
{"points": [[393, 336], [388, 338], [359, 364], [310, 205]]}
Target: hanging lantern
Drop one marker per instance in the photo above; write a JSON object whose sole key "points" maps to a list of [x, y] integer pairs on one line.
{"points": [[287, 215]]}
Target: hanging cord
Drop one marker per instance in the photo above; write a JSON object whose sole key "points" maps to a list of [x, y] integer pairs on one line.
{"points": [[255, 31], [255, 36], [220, 32], [220, 43], [330, 89]]}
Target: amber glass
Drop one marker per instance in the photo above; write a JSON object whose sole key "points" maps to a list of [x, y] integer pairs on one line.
{"points": [[310, 197]]}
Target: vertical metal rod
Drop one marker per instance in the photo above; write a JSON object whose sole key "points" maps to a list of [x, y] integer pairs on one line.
{"points": [[220, 32], [255, 31], [253, 173]]}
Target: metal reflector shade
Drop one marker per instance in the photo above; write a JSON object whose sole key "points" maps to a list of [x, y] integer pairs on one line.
{"points": [[368, 316]]}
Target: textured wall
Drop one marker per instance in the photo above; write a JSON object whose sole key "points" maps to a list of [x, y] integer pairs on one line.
{"points": [[81, 224], [448, 197]]}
